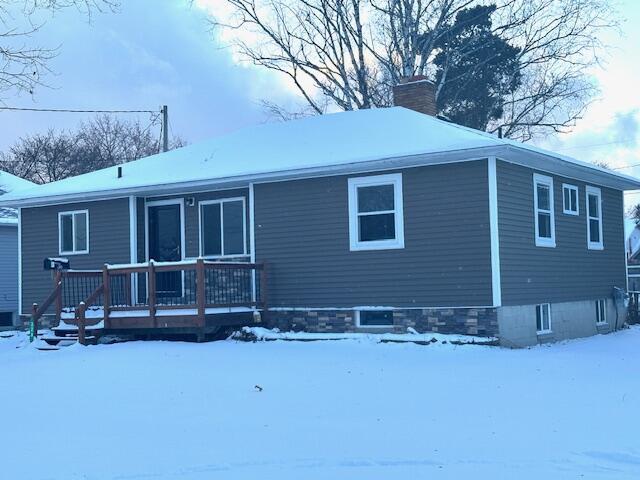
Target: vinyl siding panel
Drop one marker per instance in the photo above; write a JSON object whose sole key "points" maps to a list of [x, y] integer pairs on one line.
{"points": [[108, 243], [302, 231], [8, 268], [570, 271]]}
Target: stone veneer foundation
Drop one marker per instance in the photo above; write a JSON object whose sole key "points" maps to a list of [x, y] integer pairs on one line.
{"points": [[465, 321]]}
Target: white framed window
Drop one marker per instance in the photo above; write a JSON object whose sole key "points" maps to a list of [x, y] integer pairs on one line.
{"points": [[73, 232], [543, 207], [570, 199], [374, 318], [223, 227], [601, 312], [594, 218], [376, 219], [543, 318]]}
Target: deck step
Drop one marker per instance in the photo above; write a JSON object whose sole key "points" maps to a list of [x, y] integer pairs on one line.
{"points": [[47, 347]]}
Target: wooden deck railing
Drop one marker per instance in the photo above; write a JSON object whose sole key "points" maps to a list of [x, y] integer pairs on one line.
{"points": [[188, 288]]}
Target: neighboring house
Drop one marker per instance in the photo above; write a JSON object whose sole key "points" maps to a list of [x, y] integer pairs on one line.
{"points": [[9, 251], [632, 234], [367, 221]]}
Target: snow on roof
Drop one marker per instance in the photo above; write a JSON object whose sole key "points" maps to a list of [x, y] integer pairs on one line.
{"points": [[10, 183], [323, 141]]}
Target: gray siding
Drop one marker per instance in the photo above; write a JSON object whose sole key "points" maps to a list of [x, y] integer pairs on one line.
{"points": [[108, 243], [302, 231], [8, 268], [569, 272]]}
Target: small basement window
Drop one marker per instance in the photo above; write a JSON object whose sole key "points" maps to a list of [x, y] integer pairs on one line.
{"points": [[601, 312], [374, 318], [73, 232], [375, 212], [594, 219], [543, 207], [543, 318], [569, 199]]}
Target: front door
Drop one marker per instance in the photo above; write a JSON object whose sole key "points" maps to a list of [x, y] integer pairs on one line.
{"points": [[165, 245]]}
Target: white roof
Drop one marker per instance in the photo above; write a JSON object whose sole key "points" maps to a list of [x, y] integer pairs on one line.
{"points": [[333, 143]]}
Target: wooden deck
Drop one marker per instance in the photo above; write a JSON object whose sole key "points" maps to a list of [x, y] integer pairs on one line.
{"points": [[197, 296]]}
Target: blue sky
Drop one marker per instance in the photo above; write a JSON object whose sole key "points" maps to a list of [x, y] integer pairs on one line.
{"points": [[162, 52]]}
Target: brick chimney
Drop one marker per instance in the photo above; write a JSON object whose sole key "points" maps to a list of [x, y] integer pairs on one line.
{"points": [[416, 93]]}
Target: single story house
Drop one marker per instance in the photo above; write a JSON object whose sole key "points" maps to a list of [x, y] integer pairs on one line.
{"points": [[9, 252], [370, 220]]}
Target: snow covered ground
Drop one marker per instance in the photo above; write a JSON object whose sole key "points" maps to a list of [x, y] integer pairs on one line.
{"points": [[348, 409]]}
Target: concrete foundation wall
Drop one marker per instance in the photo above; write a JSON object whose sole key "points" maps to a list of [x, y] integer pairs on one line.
{"points": [[517, 324]]}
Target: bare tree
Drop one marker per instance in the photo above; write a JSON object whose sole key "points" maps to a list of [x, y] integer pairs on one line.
{"points": [[347, 54], [23, 66], [102, 142]]}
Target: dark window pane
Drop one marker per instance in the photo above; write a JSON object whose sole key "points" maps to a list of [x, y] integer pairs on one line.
{"points": [[67, 233], [544, 225], [377, 227], [376, 318], [81, 231], [543, 197], [567, 199], [375, 199], [593, 206], [539, 318], [233, 215], [594, 231], [574, 201], [211, 239]]}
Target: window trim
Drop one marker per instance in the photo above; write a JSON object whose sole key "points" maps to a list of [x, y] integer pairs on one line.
{"points": [[599, 321], [73, 233], [589, 190], [221, 201], [568, 211], [358, 311], [543, 331], [548, 181], [354, 183]]}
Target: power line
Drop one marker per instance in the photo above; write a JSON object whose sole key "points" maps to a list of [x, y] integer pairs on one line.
{"points": [[627, 166], [69, 110], [596, 145]]}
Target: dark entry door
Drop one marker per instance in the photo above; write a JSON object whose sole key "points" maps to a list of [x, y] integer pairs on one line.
{"points": [[165, 245]]}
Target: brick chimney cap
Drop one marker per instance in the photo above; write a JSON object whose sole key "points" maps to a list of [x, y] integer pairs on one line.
{"points": [[415, 79]]}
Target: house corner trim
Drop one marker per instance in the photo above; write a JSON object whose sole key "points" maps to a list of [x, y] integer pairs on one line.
{"points": [[496, 287]]}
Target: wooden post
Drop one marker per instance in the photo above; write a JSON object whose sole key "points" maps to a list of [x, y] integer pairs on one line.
{"points": [[58, 281], [127, 287], [152, 293], [264, 292], [80, 318], [34, 322], [200, 291], [106, 294]]}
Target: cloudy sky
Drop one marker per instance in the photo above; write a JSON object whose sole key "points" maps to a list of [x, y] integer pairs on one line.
{"points": [[162, 52]]}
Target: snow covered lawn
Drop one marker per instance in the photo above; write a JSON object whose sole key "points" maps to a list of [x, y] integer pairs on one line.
{"points": [[348, 409]]}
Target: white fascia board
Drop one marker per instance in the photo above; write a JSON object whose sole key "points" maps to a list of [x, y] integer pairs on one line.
{"points": [[510, 153]]}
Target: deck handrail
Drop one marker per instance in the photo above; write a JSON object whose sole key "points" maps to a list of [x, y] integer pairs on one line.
{"points": [[37, 312]]}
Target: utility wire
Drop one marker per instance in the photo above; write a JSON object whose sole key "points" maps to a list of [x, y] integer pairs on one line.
{"points": [[69, 110]]}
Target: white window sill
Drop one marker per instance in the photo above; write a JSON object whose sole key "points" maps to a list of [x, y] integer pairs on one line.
{"points": [[394, 245], [545, 243], [595, 247], [85, 252], [602, 324], [541, 333], [570, 212]]}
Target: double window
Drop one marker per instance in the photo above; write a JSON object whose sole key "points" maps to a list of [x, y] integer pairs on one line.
{"points": [[73, 232], [375, 212], [543, 206], [570, 199], [543, 318], [594, 218], [223, 228]]}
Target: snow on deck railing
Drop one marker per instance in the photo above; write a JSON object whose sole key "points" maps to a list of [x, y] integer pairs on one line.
{"points": [[188, 261]]}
